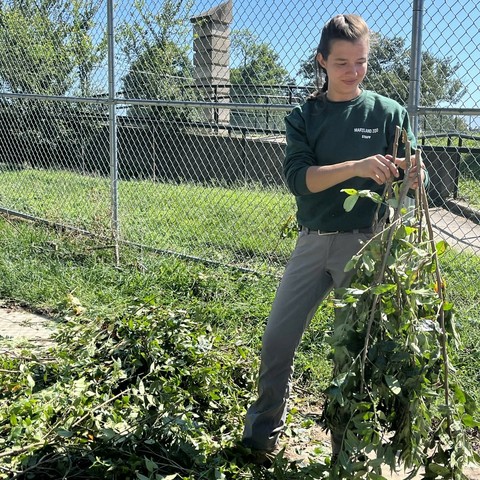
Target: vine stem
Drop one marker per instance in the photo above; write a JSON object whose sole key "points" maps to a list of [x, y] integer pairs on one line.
{"points": [[391, 230], [18, 451], [387, 191], [441, 313]]}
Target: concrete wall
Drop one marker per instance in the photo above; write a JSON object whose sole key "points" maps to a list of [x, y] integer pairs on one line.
{"points": [[169, 155]]}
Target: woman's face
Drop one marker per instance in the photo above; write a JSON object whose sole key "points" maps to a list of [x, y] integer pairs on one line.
{"points": [[346, 67]]}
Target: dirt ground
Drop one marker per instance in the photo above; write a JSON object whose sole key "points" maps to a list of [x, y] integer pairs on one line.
{"points": [[306, 445]]}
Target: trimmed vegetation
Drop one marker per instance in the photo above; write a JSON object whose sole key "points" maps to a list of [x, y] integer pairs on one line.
{"points": [[155, 359]]}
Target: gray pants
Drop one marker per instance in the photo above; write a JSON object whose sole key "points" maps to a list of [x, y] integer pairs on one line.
{"points": [[316, 266]]}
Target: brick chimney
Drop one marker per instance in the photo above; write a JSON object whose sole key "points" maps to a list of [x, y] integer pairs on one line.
{"points": [[211, 47]]}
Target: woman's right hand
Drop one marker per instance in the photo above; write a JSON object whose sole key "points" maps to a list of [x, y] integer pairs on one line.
{"points": [[377, 167]]}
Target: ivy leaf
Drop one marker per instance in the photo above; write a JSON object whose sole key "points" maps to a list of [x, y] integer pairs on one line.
{"points": [[383, 288], [441, 247], [350, 202], [469, 421], [393, 384]]}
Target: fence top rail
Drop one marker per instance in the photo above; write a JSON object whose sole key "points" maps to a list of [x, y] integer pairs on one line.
{"points": [[450, 135], [153, 103], [118, 100], [447, 111]]}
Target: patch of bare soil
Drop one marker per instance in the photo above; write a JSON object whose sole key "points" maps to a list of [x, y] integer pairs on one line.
{"points": [[308, 442]]}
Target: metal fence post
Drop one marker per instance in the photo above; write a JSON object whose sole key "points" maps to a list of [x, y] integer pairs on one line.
{"points": [[415, 64], [112, 120]]}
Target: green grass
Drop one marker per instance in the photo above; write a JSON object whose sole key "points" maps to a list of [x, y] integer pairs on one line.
{"points": [[39, 267], [233, 225]]}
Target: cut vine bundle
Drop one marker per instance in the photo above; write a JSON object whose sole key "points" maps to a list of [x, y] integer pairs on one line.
{"points": [[394, 395]]}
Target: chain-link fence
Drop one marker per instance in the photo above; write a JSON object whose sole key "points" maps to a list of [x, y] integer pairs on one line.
{"points": [[160, 123]]}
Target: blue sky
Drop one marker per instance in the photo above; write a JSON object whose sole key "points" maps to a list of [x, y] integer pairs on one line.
{"points": [[292, 28]]}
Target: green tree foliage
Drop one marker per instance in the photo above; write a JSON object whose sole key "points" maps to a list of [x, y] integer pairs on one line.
{"points": [[157, 48], [47, 48], [389, 73], [163, 71], [259, 64], [259, 73], [35, 55], [86, 52]]}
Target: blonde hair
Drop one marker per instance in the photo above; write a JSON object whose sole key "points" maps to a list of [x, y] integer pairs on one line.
{"points": [[348, 27]]}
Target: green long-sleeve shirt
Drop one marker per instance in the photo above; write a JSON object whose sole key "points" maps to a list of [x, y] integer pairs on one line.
{"points": [[321, 132]]}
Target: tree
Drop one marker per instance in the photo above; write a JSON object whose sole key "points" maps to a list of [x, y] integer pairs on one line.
{"points": [[157, 49], [389, 73], [162, 71], [259, 76], [86, 53], [47, 48], [259, 63], [35, 56]]}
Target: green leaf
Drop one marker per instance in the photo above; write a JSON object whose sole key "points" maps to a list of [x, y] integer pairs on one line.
{"points": [[150, 464], [438, 469], [441, 247], [350, 202], [351, 264], [371, 195], [64, 433], [141, 477], [383, 288], [447, 306], [392, 202], [349, 191], [375, 476], [469, 421], [393, 384], [459, 393], [30, 381]]}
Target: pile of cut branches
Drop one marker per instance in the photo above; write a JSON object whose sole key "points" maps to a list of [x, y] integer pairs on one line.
{"points": [[394, 394]]}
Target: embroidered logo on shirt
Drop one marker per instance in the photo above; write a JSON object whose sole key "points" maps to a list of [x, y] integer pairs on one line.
{"points": [[366, 132]]}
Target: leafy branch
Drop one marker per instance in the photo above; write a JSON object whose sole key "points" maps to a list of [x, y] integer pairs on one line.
{"points": [[391, 352]]}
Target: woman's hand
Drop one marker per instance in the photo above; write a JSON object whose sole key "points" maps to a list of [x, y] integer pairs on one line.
{"points": [[379, 168], [413, 173]]}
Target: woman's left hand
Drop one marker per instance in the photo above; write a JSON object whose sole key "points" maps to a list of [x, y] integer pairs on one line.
{"points": [[412, 174]]}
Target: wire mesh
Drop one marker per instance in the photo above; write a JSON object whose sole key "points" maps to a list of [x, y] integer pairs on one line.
{"points": [[201, 89]]}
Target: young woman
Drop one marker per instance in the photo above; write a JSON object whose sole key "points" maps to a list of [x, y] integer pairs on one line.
{"points": [[342, 137]]}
